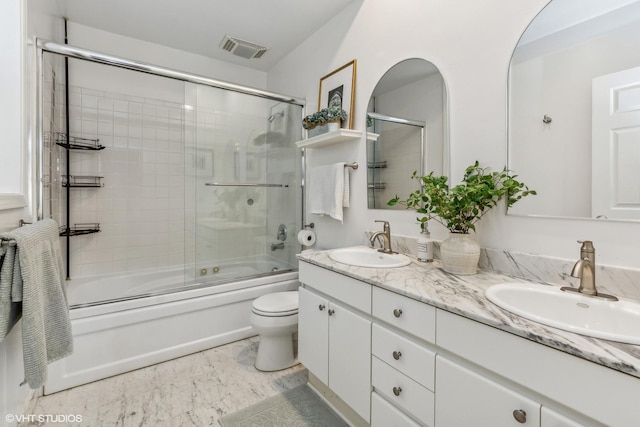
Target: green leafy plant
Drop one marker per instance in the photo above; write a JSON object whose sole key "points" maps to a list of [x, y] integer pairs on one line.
{"points": [[324, 116], [460, 207]]}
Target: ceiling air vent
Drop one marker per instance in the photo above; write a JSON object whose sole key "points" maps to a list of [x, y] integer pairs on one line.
{"points": [[242, 48]]}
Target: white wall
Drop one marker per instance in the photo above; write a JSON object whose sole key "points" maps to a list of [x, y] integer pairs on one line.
{"points": [[471, 43], [13, 185], [20, 20]]}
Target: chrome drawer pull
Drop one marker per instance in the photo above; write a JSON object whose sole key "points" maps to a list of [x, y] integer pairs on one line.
{"points": [[397, 312], [331, 312], [396, 355], [397, 391], [321, 307], [520, 416]]}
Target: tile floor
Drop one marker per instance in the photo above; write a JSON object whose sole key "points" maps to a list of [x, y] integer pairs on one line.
{"points": [[195, 390]]}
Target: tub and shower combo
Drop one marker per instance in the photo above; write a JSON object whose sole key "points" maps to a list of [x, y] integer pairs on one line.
{"points": [[179, 198]]}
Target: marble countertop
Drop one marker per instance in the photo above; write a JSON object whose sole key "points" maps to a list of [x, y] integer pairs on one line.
{"points": [[464, 295]]}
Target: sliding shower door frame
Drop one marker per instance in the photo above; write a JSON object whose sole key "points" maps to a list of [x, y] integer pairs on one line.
{"points": [[69, 51]]}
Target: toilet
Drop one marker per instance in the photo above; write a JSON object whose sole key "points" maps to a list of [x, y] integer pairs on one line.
{"points": [[275, 317]]}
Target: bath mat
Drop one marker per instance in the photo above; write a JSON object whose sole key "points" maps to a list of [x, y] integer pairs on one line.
{"points": [[299, 407]]}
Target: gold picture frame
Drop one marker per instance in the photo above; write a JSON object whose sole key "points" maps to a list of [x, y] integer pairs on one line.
{"points": [[339, 88]]}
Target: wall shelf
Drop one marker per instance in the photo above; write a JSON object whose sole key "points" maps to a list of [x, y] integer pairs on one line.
{"points": [[79, 229], [75, 181], [335, 137], [77, 143]]}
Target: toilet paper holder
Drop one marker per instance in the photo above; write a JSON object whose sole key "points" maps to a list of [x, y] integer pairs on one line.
{"points": [[311, 225]]}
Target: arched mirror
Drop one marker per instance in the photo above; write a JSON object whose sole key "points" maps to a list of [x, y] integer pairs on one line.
{"points": [[574, 110], [407, 111]]}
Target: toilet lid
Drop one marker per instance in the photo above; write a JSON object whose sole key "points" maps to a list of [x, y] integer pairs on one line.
{"points": [[280, 303]]}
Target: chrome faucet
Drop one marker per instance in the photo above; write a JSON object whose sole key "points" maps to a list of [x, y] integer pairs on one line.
{"points": [[585, 270], [386, 237]]}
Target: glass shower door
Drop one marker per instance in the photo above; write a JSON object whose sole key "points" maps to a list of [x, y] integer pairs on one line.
{"points": [[243, 168]]}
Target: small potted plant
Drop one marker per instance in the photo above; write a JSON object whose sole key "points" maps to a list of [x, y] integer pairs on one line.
{"points": [[325, 120], [459, 208]]}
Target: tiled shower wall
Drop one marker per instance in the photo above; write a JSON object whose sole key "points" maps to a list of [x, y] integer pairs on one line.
{"points": [[141, 206], [53, 124]]}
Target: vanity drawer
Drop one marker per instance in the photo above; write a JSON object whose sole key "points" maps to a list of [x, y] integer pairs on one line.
{"points": [[405, 313], [384, 414], [402, 391], [345, 289], [408, 357]]}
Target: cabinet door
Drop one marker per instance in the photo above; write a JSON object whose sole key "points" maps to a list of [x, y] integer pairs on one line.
{"points": [[464, 398], [313, 334], [550, 418], [350, 358], [384, 414]]}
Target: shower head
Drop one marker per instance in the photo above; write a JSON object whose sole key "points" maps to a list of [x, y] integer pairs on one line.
{"points": [[273, 116]]}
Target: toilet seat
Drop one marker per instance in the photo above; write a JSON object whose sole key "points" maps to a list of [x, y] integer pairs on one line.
{"points": [[278, 304]]}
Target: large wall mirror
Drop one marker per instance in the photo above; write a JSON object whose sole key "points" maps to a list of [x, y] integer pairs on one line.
{"points": [[574, 110], [407, 111]]}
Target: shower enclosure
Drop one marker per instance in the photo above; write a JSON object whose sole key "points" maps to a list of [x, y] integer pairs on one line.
{"points": [[179, 200], [185, 180]]}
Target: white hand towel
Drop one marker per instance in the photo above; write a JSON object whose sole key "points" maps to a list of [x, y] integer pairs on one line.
{"points": [[327, 195]]}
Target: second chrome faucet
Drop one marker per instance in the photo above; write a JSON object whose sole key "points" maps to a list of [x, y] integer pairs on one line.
{"points": [[585, 270]]}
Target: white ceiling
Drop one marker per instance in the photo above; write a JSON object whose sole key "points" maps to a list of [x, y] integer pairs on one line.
{"points": [[198, 26]]}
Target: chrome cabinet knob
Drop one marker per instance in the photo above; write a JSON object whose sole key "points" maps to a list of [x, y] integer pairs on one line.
{"points": [[331, 312], [397, 312], [396, 355], [520, 416], [397, 391], [321, 307]]}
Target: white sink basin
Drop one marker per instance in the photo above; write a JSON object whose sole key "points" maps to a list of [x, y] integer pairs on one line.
{"points": [[363, 256], [609, 320]]}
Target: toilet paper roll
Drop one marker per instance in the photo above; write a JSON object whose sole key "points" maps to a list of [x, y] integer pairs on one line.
{"points": [[306, 237]]}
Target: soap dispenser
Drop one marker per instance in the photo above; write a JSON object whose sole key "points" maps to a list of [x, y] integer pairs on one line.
{"points": [[425, 246]]}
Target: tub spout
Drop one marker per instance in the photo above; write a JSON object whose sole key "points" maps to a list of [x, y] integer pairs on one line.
{"points": [[275, 246]]}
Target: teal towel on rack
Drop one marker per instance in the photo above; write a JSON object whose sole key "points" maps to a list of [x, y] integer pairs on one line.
{"points": [[32, 274]]}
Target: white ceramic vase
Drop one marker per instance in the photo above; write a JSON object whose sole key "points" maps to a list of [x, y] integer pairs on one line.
{"points": [[460, 254]]}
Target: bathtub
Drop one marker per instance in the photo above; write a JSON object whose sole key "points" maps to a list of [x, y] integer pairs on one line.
{"points": [[149, 317]]}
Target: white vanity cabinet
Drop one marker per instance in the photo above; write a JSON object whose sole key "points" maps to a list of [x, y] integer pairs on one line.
{"points": [[481, 367], [398, 362], [466, 398], [403, 362], [334, 334], [550, 418]]}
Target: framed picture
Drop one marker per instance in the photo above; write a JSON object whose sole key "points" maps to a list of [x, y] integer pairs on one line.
{"points": [[339, 88]]}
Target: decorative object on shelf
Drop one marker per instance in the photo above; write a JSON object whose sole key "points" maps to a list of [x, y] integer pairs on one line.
{"points": [[326, 120], [460, 207], [338, 89]]}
